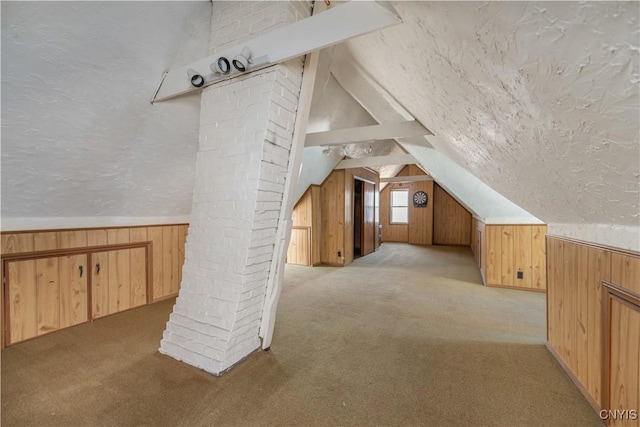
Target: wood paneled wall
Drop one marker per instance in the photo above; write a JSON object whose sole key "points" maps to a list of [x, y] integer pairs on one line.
{"points": [[332, 202], [586, 327], [307, 213], [511, 249], [299, 251], [419, 230], [167, 241], [61, 259], [336, 201], [391, 232], [421, 219], [451, 221]]}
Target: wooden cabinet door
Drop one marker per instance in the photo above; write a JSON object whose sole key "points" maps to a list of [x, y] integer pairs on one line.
{"points": [[99, 284], [118, 281], [138, 277], [624, 363], [73, 290], [21, 322], [47, 295]]}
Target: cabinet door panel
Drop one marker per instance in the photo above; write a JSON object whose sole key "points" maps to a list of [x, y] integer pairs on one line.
{"points": [[176, 267], [73, 290], [168, 253], [157, 276], [119, 281], [624, 377], [22, 300], [47, 295], [99, 284], [138, 276]]}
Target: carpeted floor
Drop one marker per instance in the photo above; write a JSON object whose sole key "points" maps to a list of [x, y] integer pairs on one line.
{"points": [[404, 336]]}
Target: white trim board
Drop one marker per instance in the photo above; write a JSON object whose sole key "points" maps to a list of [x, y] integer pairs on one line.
{"points": [[40, 223], [373, 133], [393, 159], [325, 29], [413, 178]]}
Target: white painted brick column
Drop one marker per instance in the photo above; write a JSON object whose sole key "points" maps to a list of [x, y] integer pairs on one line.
{"points": [[246, 128]]}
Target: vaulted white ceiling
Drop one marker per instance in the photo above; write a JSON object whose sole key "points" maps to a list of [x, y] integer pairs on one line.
{"points": [[79, 135], [537, 100]]}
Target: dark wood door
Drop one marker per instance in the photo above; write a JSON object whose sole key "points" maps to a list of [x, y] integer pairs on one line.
{"points": [[368, 226]]}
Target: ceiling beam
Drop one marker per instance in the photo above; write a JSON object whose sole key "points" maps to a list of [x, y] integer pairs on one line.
{"points": [[367, 92], [413, 178], [328, 28], [393, 159], [372, 133]]}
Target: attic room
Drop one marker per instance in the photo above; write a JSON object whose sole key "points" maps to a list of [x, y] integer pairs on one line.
{"points": [[320, 213]]}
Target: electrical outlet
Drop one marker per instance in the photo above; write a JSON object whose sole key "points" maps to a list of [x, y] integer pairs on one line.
{"points": [[520, 275]]}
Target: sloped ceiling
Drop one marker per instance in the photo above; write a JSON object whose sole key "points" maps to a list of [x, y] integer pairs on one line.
{"points": [[79, 135], [538, 100]]}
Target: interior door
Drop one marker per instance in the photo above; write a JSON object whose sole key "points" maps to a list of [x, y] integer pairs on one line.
{"points": [[368, 225]]}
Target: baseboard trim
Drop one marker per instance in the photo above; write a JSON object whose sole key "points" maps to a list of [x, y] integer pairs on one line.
{"points": [[517, 288], [594, 405]]}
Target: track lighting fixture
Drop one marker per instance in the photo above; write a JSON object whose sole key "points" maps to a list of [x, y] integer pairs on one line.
{"points": [[221, 66], [242, 60], [196, 79]]}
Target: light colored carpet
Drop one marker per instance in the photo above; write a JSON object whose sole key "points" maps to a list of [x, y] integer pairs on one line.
{"points": [[404, 336]]}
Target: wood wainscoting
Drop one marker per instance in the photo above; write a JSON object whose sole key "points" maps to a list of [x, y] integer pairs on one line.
{"points": [[451, 221], [593, 322], [304, 246], [53, 279], [511, 255], [419, 228]]}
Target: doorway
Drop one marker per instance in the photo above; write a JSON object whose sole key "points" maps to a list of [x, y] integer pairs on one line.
{"points": [[364, 233]]}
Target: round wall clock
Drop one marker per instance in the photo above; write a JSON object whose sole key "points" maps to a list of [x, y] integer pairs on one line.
{"points": [[420, 199]]}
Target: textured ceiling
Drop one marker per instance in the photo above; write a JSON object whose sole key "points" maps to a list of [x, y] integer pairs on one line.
{"points": [[79, 136], [538, 100]]}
